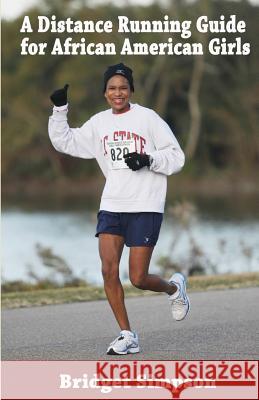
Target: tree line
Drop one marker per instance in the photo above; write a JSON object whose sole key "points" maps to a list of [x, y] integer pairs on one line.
{"points": [[211, 102]]}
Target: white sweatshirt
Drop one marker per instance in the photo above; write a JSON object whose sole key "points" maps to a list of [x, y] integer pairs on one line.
{"points": [[107, 136]]}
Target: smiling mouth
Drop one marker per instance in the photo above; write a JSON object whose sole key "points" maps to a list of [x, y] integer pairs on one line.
{"points": [[118, 101]]}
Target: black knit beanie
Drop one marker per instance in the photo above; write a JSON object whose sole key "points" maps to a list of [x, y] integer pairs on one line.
{"points": [[118, 69]]}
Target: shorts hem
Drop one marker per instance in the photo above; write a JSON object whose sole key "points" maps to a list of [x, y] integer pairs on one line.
{"points": [[140, 245], [109, 233]]}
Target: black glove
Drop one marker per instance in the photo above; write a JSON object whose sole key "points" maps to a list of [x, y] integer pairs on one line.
{"points": [[135, 161], [59, 97]]}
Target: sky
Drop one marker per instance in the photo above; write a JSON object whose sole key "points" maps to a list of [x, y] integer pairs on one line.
{"points": [[11, 9]]}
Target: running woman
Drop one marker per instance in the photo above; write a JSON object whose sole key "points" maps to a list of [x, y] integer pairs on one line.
{"points": [[136, 151]]}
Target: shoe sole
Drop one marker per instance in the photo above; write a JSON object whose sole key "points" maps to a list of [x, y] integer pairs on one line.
{"points": [[189, 305], [112, 352]]}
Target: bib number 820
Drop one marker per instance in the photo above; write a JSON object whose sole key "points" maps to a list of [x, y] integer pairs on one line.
{"points": [[118, 153]]}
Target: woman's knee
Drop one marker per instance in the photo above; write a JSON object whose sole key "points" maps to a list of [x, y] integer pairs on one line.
{"points": [[110, 272], [138, 280]]}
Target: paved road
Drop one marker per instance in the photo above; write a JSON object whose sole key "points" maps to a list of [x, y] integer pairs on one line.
{"points": [[221, 325]]}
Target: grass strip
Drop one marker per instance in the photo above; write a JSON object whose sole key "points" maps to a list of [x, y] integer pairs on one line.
{"points": [[41, 297]]}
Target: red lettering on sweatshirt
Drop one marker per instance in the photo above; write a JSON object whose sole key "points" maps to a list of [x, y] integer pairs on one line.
{"points": [[139, 141], [105, 138]]}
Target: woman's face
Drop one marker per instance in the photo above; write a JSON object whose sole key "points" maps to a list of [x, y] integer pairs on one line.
{"points": [[118, 94]]}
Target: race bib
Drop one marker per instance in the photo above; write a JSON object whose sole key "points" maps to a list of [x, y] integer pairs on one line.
{"points": [[116, 151]]}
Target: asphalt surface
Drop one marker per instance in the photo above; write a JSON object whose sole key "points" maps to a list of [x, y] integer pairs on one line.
{"points": [[220, 325]]}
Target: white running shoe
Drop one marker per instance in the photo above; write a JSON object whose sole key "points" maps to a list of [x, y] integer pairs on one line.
{"points": [[180, 302], [126, 343]]}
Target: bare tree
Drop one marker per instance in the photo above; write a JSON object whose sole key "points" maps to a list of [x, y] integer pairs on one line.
{"points": [[194, 107]]}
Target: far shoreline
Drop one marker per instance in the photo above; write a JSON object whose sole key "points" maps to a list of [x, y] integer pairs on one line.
{"points": [[90, 188]]}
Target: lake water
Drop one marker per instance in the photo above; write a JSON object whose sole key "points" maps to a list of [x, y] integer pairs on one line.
{"points": [[231, 245]]}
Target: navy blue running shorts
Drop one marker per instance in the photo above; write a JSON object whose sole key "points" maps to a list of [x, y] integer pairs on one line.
{"points": [[138, 229]]}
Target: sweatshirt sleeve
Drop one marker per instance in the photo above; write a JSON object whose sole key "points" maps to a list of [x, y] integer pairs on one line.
{"points": [[77, 142], [168, 158]]}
